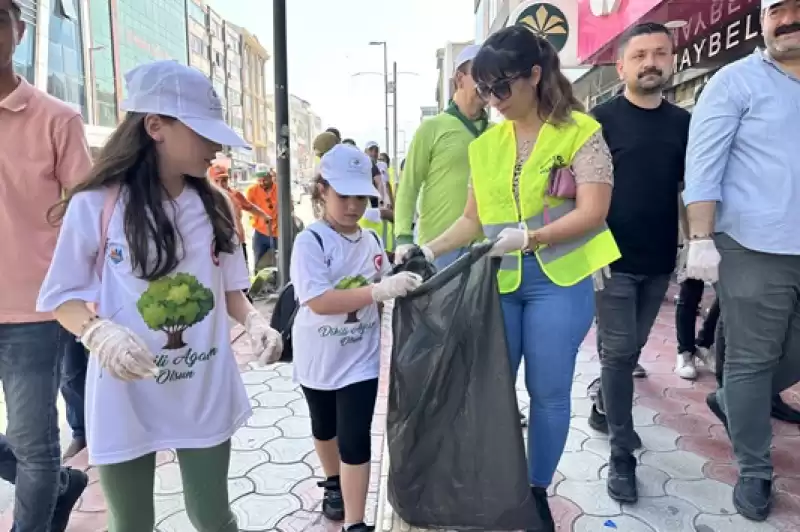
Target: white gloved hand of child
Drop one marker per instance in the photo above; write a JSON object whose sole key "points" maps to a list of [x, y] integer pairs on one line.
{"points": [[510, 239], [119, 351], [702, 260], [396, 285], [267, 343], [401, 253]]}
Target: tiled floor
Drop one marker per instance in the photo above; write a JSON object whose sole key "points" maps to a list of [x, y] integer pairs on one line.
{"points": [[686, 468]]}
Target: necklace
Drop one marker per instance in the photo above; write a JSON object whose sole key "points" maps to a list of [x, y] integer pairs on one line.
{"points": [[355, 240]]}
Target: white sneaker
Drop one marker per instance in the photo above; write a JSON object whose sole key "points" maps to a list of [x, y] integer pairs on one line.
{"points": [[708, 357], [685, 368]]}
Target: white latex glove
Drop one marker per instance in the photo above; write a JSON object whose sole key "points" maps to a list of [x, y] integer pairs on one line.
{"points": [[120, 352], [267, 343], [510, 239], [680, 270], [396, 285], [702, 260], [402, 250], [599, 278]]}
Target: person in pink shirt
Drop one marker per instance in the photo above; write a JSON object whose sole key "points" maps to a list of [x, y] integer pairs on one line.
{"points": [[43, 153]]}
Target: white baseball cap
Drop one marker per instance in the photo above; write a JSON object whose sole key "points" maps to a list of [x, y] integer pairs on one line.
{"points": [[348, 171], [467, 54], [766, 4], [171, 89], [371, 144]]}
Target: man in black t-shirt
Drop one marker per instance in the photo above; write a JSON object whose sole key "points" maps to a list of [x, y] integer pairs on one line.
{"points": [[647, 137]]}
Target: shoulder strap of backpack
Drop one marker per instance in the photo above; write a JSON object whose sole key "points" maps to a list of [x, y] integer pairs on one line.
{"points": [[112, 195], [319, 239], [376, 237]]}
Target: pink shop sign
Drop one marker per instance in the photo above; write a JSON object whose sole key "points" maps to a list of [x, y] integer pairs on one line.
{"points": [[600, 22]]}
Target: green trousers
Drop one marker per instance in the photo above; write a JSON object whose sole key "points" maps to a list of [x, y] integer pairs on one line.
{"points": [[128, 489]]}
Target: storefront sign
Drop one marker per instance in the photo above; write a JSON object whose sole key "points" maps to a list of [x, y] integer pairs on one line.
{"points": [[711, 16], [555, 21], [721, 44]]}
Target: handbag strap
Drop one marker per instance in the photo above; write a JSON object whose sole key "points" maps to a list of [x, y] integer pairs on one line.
{"points": [[110, 202]]}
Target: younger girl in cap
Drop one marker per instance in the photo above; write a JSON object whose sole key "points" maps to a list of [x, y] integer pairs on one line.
{"points": [[338, 271], [147, 272]]}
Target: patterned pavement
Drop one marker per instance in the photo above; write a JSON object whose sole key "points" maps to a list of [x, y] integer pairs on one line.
{"points": [[686, 470]]}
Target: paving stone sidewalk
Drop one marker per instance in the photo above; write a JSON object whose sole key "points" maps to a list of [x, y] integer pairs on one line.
{"points": [[274, 470], [687, 467], [685, 478]]}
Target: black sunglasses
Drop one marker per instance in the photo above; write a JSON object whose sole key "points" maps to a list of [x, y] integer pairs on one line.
{"points": [[500, 88]]}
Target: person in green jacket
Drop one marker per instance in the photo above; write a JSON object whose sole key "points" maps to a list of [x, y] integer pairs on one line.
{"points": [[436, 174]]}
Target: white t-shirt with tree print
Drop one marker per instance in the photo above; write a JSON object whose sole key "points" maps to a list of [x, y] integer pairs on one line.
{"points": [[331, 352], [198, 399]]}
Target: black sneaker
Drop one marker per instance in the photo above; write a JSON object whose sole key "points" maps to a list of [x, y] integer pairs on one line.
{"points": [[597, 420], [621, 483], [783, 412], [75, 447], [77, 481], [358, 527], [716, 408], [752, 497], [543, 509], [332, 502]]}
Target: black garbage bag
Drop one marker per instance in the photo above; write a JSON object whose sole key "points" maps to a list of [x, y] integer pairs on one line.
{"points": [[457, 458]]}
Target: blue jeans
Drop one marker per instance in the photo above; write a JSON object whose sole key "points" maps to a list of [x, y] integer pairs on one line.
{"points": [[545, 324], [447, 259], [30, 454], [261, 244], [73, 386]]}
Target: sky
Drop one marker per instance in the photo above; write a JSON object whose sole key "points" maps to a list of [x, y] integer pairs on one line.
{"points": [[332, 65]]}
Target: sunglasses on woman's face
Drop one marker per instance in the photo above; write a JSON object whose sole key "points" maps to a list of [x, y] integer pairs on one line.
{"points": [[500, 88]]}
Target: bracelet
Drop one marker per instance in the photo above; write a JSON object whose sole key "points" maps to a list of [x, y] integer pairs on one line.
{"points": [[86, 324]]}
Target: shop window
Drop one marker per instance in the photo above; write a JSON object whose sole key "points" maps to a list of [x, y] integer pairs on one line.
{"points": [[68, 9], [24, 55], [65, 79]]}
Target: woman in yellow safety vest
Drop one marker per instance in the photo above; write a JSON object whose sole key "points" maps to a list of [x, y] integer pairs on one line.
{"points": [[549, 225]]}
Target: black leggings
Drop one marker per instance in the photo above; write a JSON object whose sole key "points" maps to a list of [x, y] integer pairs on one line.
{"points": [[345, 414]]}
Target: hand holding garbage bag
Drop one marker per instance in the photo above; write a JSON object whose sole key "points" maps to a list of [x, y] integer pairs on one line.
{"points": [[401, 252], [456, 453], [395, 286], [510, 239]]}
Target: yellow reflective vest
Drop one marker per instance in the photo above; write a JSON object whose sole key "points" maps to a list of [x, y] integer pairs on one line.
{"points": [[492, 157], [387, 236]]}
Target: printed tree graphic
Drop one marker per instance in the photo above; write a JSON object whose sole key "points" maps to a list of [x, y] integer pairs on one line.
{"points": [[174, 303], [352, 282]]}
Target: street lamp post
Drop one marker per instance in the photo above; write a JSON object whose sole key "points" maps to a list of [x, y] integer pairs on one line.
{"points": [[385, 86], [283, 155]]}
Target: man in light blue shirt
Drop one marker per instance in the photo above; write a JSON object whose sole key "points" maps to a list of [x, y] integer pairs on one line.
{"points": [[743, 199]]}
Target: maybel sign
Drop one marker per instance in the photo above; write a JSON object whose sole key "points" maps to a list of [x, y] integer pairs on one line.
{"points": [[714, 46]]}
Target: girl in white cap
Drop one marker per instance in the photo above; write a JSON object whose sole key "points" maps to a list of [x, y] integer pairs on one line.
{"points": [[147, 272], [338, 272]]}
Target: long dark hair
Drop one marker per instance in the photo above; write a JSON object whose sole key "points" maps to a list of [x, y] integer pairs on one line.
{"points": [[129, 160], [513, 52]]}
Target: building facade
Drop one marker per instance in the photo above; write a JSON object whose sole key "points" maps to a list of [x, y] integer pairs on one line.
{"points": [[304, 126], [199, 37], [445, 64], [256, 129]]}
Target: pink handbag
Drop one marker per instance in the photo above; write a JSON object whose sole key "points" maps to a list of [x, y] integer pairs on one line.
{"points": [[560, 185]]}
